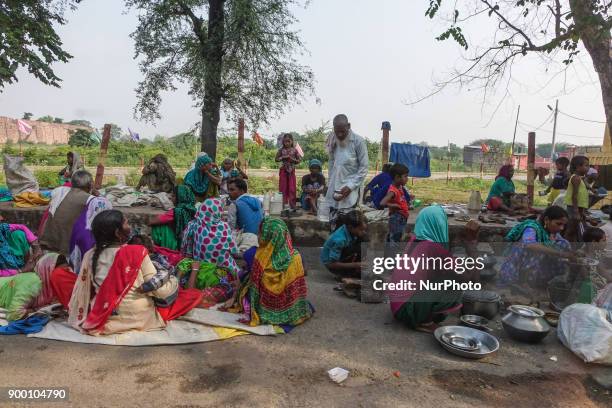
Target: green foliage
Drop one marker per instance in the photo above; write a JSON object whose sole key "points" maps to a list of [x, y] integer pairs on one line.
{"points": [[80, 122], [27, 115], [46, 178], [29, 39], [240, 61], [82, 138], [46, 118], [58, 120], [116, 131]]}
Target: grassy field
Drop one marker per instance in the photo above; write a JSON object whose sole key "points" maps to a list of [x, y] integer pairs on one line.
{"points": [[428, 190]]}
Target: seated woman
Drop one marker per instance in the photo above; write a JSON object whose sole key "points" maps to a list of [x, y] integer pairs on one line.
{"points": [[275, 290], [424, 309], [313, 185], [107, 297], [167, 229], [501, 190], [536, 256], [158, 175], [27, 292], [341, 253], [204, 179], [208, 239], [19, 249], [75, 163]]}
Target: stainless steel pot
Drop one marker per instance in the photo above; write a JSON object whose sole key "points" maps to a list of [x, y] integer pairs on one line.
{"points": [[525, 323], [482, 303]]}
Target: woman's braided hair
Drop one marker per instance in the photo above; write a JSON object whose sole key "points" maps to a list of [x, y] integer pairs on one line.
{"points": [[104, 227]]}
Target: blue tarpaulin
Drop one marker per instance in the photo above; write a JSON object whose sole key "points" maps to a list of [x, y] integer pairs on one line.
{"points": [[415, 157]]}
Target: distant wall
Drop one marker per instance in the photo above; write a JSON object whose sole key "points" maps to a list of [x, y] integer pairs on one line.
{"points": [[42, 132]]}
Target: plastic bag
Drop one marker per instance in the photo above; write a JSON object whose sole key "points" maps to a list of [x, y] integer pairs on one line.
{"points": [[604, 298], [587, 331], [18, 178]]}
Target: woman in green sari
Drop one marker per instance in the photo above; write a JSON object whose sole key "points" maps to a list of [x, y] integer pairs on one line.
{"points": [[167, 229], [205, 179], [501, 190]]}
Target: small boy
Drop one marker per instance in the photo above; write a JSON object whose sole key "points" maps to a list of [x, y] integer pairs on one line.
{"points": [[244, 214], [396, 201], [313, 184], [165, 271], [341, 253], [559, 181]]}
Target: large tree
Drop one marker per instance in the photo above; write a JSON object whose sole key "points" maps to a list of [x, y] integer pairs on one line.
{"points": [[551, 28], [28, 38], [237, 56]]}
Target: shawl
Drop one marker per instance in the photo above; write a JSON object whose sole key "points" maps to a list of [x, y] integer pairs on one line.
{"points": [[184, 210], [516, 233], [275, 231], [44, 267], [120, 279], [500, 186], [208, 238], [195, 179], [432, 225], [8, 260]]}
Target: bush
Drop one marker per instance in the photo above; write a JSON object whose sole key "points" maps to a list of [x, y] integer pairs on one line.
{"points": [[47, 179], [132, 178]]}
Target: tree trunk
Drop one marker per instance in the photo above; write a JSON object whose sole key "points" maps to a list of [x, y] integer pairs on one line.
{"points": [[597, 42], [213, 86]]}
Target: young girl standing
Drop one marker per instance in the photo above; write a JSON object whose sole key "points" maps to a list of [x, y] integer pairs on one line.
{"points": [[577, 198], [289, 157]]}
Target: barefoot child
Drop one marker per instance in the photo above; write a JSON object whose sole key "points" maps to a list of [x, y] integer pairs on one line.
{"points": [[577, 198], [396, 201], [313, 185], [341, 253], [289, 157]]}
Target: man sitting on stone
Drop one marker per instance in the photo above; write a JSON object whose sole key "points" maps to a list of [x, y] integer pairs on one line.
{"points": [[158, 176]]}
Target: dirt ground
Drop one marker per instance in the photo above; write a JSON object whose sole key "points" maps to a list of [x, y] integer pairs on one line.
{"points": [[390, 366]]}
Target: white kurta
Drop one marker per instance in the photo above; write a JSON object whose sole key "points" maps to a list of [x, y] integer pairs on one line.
{"points": [[348, 166]]}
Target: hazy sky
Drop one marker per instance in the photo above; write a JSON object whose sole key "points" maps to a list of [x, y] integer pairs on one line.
{"points": [[368, 58]]}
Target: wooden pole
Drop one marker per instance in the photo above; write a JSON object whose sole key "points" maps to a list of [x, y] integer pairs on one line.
{"points": [[531, 147], [241, 141], [481, 170], [554, 136], [515, 127], [447, 172], [386, 128], [106, 136]]}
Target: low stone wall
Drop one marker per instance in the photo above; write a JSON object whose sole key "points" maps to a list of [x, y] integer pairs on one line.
{"points": [[306, 230]]}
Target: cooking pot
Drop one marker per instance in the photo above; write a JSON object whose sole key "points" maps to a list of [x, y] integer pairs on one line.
{"points": [[525, 323], [483, 303]]}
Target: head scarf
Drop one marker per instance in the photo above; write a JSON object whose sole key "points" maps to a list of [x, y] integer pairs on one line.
{"points": [[8, 260], [77, 163], [275, 231], [516, 233], [43, 269], [504, 171], [208, 238], [315, 163], [195, 179], [163, 168], [184, 210], [432, 225]]}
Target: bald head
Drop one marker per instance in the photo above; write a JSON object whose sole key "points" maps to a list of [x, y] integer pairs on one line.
{"points": [[342, 126]]}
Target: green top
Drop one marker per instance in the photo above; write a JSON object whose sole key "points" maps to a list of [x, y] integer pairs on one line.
{"points": [[502, 185], [583, 194]]}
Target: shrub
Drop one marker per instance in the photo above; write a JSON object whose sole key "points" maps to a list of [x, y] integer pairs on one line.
{"points": [[47, 179]]}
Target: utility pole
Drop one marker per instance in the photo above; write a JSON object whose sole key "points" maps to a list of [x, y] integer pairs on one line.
{"points": [[518, 112], [552, 151]]}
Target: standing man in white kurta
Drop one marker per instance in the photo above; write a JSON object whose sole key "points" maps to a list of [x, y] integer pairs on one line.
{"points": [[348, 167]]}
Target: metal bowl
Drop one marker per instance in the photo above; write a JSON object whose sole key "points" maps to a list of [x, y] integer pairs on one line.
{"points": [[525, 323], [475, 322], [460, 342], [488, 343]]}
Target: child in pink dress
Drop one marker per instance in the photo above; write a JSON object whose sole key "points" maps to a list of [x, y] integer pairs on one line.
{"points": [[289, 157]]}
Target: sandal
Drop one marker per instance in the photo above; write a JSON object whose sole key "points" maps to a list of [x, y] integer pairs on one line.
{"points": [[427, 327]]}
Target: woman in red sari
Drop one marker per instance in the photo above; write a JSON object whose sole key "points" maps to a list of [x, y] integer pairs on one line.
{"points": [[107, 298]]}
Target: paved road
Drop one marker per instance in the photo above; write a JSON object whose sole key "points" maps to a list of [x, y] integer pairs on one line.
{"points": [[390, 366]]}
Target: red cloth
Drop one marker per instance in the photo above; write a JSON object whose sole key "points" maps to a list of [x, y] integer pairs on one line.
{"points": [[120, 279], [174, 257], [186, 300], [62, 282], [167, 217], [399, 198], [495, 203], [287, 186]]}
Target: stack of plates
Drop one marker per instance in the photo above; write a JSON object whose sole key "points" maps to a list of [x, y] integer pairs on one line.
{"points": [[466, 342]]}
